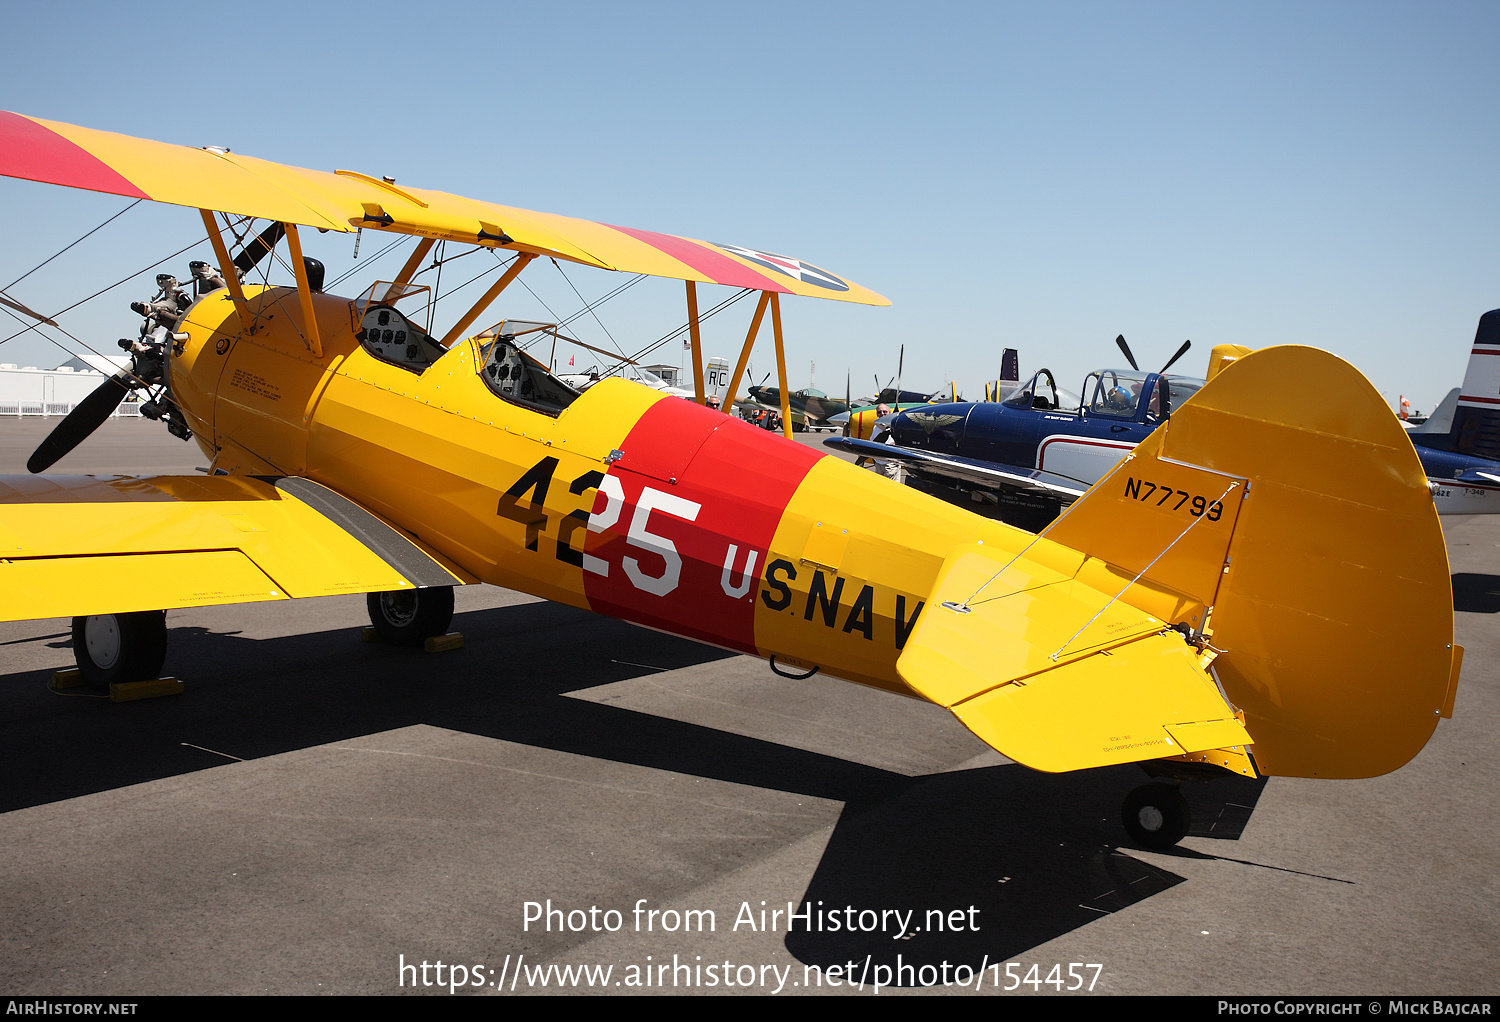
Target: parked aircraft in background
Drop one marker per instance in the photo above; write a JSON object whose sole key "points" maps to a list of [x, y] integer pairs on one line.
{"points": [[1029, 457], [1440, 419], [1025, 458], [810, 408], [861, 422], [1459, 444]]}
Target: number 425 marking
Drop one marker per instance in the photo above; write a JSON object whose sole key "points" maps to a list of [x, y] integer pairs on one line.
{"points": [[538, 479]]}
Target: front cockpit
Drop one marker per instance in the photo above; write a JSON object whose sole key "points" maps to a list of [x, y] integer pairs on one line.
{"points": [[389, 334]]}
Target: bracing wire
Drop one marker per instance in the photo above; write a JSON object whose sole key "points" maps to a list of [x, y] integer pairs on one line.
{"points": [[673, 335], [60, 346], [613, 294], [60, 251], [482, 273], [590, 309], [401, 239], [124, 280], [439, 261], [588, 306], [1227, 490]]}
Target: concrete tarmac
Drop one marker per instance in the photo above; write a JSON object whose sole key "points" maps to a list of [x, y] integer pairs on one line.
{"points": [[320, 815]]}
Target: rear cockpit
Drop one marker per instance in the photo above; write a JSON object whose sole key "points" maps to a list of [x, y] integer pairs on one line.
{"points": [[513, 374], [1117, 393]]}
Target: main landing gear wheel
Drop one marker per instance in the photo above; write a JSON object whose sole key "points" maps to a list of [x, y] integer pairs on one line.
{"points": [[1156, 816], [409, 617], [114, 648]]}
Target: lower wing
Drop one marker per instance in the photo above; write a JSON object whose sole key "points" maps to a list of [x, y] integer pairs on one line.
{"points": [[80, 545]]}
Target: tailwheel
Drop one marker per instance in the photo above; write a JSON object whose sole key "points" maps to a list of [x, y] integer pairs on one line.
{"points": [[1156, 816], [409, 617], [114, 648]]}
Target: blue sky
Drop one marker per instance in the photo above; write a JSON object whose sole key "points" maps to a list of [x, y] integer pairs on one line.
{"points": [[1039, 176]]}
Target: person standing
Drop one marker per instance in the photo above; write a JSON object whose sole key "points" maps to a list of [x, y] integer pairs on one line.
{"points": [[890, 468]]}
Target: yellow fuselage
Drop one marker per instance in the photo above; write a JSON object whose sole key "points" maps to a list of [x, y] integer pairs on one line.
{"points": [[706, 527]]}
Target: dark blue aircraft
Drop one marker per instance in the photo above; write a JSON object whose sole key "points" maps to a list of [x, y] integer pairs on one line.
{"points": [[1026, 458]]}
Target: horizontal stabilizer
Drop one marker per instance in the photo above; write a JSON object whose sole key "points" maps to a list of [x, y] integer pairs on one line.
{"points": [[1282, 517], [1441, 419], [1005, 646]]}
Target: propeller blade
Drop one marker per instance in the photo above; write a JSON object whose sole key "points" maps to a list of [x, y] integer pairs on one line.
{"points": [[1126, 349], [85, 417], [1180, 352], [257, 250]]}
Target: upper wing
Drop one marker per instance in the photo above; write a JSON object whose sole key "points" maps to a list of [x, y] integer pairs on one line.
{"points": [[216, 179], [77, 545]]}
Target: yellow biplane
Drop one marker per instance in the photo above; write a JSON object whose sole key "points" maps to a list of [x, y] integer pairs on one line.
{"points": [[1260, 587]]}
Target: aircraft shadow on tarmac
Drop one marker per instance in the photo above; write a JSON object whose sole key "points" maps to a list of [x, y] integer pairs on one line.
{"points": [[1476, 594], [1034, 853]]}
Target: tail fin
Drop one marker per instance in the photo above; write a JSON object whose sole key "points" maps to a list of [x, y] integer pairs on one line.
{"points": [[1441, 419], [1476, 422], [1328, 591], [1223, 355], [1010, 366]]}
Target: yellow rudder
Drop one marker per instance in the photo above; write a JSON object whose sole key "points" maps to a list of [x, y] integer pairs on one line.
{"points": [[1329, 591]]}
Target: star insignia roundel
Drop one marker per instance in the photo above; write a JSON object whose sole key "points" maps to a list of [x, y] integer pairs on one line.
{"points": [[807, 273]]}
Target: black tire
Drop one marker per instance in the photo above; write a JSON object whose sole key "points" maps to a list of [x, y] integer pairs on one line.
{"points": [[114, 648], [1156, 816], [408, 617]]}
